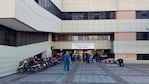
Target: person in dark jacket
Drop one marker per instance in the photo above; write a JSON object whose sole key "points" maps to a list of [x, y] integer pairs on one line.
{"points": [[120, 62], [96, 57], [87, 58]]}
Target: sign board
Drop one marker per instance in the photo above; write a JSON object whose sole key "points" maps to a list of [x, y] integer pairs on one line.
{"points": [[82, 45]]}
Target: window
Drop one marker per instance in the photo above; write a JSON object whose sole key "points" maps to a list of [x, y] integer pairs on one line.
{"points": [[16, 38], [67, 16], [77, 16], [49, 6], [142, 14], [7, 36], [88, 15], [143, 36], [80, 37], [142, 56], [93, 15]]}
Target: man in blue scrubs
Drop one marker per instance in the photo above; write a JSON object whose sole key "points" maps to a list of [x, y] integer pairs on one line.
{"points": [[66, 61]]}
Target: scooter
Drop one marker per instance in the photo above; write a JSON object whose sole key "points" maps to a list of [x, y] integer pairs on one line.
{"points": [[24, 67]]}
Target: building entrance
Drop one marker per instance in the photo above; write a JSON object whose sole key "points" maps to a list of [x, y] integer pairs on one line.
{"points": [[81, 54]]}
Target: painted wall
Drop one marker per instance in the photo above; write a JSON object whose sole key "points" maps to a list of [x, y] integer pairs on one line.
{"points": [[68, 44], [126, 56], [124, 36], [131, 47], [130, 59], [105, 25], [125, 14], [30, 13], [7, 8], [11, 56], [104, 5]]}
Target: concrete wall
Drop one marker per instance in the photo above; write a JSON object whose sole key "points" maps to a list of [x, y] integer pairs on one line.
{"points": [[126, 56], [104, 5], [125, 14], [7, 8], [30, 13], [119, 25], [68, 44], [11, 56], [131, 47], [130, 59], [124, 36], [130, 52]]}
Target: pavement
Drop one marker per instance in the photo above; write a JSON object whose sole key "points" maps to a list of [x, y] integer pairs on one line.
{"points": [[84, 73]]}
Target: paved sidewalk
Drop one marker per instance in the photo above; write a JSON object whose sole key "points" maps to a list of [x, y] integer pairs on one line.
{"points": [[84, 73]]}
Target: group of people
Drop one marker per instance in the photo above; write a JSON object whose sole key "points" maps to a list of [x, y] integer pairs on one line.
{"points": [[86, 57], [68, 58]]}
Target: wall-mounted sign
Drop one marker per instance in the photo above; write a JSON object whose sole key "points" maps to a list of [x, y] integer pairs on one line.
{"points": [[82, 45]]}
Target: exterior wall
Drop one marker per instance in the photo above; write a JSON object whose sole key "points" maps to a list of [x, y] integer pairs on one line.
{"points": [[88, 5], [142, 4], [131, 47], [68, 45], [30, 13], [104, 5], [127, 50], [125, 15], [105, 25], [130, 59], [58, 3], [7, 8], [126, 56], [125, 36], [11, 56]]}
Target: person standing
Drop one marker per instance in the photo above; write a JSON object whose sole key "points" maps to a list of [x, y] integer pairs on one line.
{"points": [[88, 57], [97, 57], [67, 61]]}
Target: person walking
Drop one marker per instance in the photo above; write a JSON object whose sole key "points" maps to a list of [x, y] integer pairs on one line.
{"points": [[67, 61]]}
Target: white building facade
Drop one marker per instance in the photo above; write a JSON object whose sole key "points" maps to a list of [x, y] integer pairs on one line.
{"points": [[30, 27]]}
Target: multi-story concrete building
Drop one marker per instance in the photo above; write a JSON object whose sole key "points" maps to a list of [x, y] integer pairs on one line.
{"points": [[31, 27]]}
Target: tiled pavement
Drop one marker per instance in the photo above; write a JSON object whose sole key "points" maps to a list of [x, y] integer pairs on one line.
{"points": [[84, 73]]}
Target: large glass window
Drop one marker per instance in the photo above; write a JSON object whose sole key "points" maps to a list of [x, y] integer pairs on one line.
{"points": [[142, 56], [142, 35], [49, 6], [80, 37], [88, 15], [24, 38], [77, 16], [93, 15], [67, 16], [16, 38], [7, 36], [142, 14]]}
